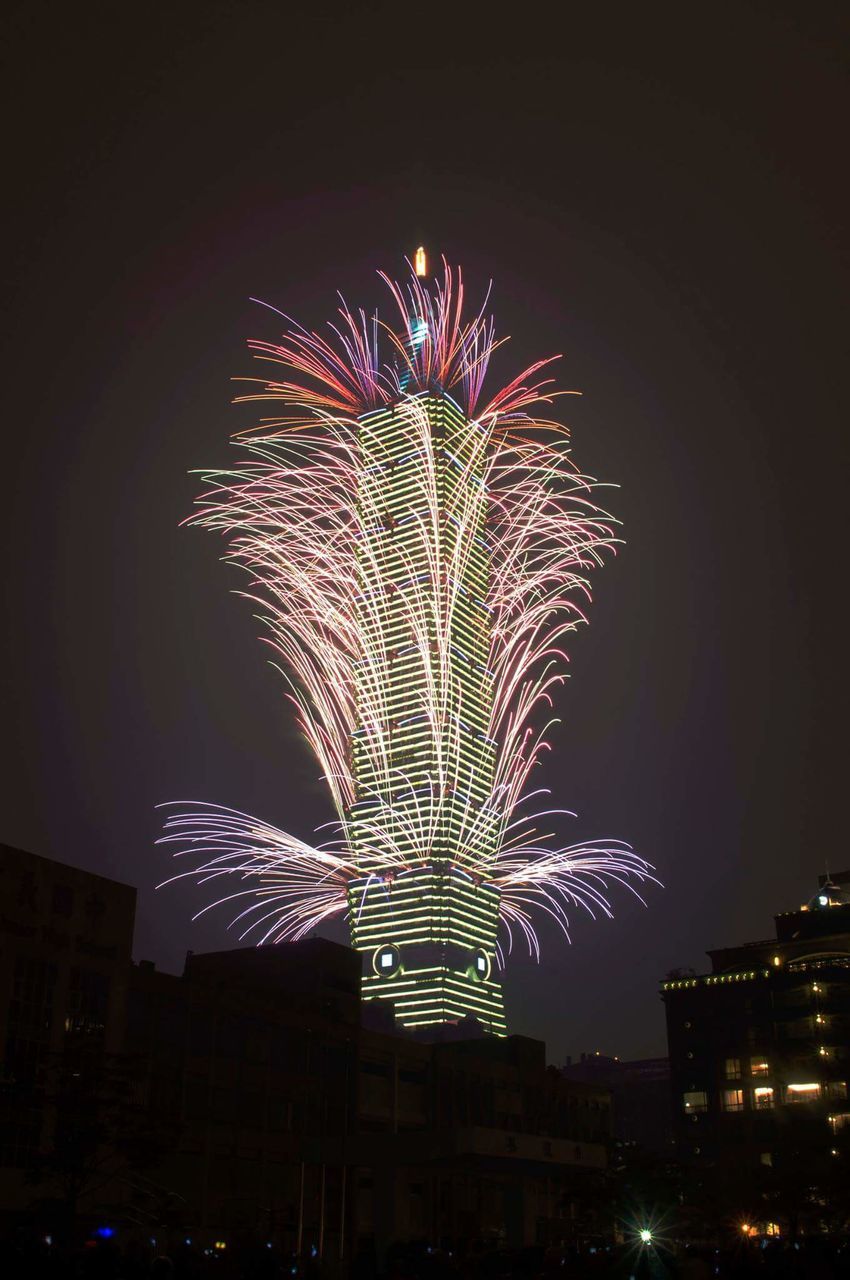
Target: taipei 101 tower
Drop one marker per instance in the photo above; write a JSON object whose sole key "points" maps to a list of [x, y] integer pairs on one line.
{"points": [[423, 762], [419, 552]]}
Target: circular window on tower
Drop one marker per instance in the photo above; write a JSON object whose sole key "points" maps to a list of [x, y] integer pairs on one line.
{"points": [[480, 965], [386, 961]]}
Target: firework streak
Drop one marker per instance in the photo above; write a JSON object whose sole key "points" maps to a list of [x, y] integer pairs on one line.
{"points": [[418, 556]]}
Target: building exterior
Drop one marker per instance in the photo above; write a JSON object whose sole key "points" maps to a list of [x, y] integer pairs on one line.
{"points": [[477, 1141], [297, 1124], [250, 1057], [423, 765], [244, 1101], [760, 1046], [640, 1097], [65, 939]]}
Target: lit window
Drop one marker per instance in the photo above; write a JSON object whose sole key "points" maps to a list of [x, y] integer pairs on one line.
{"points": [[758, 1067], [732, 1099], [766, 1158], [732, 1069], [837, 1089], [386, 959], [839, 1121], [695, 1100], [763, 1097], [802, 1092]]}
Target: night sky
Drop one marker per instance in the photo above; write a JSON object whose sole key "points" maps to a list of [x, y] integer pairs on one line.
{"points": [[657, 193]]}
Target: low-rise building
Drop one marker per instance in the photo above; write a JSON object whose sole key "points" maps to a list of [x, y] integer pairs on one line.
{"points": [[245, 1099], [640, 1097]]}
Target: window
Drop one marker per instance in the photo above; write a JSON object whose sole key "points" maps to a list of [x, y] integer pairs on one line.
{"points": [[763, 1097], [759, 1067], [732, 1069], [837, 1089], [695, 1100], [732, 1099], [802, 1092], [766, 1158]]}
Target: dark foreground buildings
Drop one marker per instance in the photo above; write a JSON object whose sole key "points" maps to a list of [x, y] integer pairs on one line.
{"points": [[640, 1097], [760, 1047], [245, 1100]]}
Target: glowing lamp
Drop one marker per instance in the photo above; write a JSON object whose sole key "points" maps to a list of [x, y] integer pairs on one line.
{"points": [[645, 1235], [420, 262]]}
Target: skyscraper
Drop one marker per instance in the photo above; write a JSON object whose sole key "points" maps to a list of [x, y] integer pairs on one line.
{"points": [[423, 764], [419, 554]]}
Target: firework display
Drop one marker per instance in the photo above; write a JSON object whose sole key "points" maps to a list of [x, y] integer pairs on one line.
{"points": [[418, 554]]}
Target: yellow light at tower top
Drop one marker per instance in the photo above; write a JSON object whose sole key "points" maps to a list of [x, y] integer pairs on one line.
{"points": [[420, 262]]}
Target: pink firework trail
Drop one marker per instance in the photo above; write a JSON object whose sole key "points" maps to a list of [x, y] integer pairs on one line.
{"points": [[293, 519]]}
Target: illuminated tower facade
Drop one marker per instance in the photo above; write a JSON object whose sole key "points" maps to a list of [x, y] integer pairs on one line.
{"points": [[419, 549], [422, 761]]}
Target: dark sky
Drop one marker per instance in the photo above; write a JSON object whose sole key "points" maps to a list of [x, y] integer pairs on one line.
{"points": [[657, 192]]}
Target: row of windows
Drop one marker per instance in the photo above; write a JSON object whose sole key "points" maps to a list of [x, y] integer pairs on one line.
{"points": [[765, 1097], [758, 1067]]}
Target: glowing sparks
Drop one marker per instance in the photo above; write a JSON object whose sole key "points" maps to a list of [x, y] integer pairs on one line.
{"points": [[417, 562]]}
